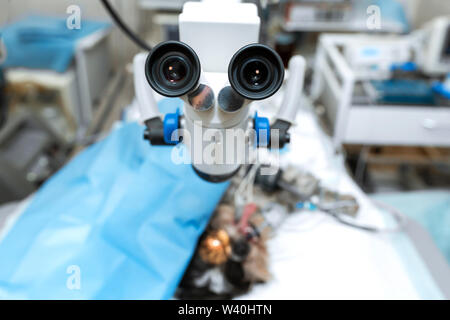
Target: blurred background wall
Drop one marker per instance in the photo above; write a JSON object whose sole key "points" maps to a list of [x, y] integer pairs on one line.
{"points": [[90, 9], [427, 9], [419, 11]]}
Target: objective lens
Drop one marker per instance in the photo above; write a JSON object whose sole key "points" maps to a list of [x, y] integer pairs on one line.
{"points": [[174, 69], [255, 74]]}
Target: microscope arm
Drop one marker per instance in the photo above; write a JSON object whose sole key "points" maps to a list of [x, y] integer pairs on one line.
{"points": [[294, 88], [144, 95], [291, 101]]}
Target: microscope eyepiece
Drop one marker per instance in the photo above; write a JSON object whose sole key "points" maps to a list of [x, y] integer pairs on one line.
{"points": [[256, 72], [172, 69]]}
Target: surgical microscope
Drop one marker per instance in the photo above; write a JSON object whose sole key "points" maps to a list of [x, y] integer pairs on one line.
{"points": [[217, 68]]}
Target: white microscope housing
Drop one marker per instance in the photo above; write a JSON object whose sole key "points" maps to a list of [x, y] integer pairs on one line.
{"points": [[217, 69]]}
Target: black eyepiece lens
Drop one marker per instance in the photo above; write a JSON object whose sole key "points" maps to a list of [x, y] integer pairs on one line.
{"points": [[255, 74], [174, 69]]}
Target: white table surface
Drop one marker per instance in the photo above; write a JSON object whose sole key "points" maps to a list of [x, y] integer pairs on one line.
{"points": [[314, 257]]}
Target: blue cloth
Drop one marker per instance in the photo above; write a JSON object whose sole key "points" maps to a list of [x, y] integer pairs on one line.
{"points": [[38, 42], [122, 212], [429, 208], [441, 90]]}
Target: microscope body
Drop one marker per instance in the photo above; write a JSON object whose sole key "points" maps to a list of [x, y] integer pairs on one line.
{"points": [[217, 69], [216, 30]]}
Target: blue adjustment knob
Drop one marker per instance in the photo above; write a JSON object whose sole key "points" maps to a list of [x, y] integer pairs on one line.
{"points": [[262, 128], [171, 123]]}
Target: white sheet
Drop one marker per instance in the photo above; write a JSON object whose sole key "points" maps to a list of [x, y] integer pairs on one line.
{"points": [[314, 257]]}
